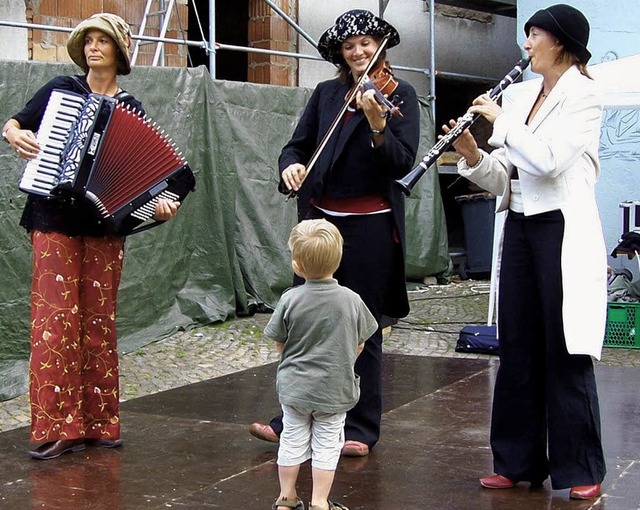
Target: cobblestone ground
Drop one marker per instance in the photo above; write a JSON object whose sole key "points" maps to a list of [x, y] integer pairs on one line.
{"points": [[438, 312]]}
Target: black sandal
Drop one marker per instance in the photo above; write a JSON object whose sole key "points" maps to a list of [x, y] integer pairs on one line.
{"points": [[332, 506], [296, 505]]}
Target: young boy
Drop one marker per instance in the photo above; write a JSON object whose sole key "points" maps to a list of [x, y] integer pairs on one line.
{"points": [[320, 328]]}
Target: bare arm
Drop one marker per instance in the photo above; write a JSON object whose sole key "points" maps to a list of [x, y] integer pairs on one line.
{"points": [[23, 141]]}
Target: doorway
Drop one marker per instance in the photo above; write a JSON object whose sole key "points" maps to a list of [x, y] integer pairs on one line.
{"points": [[232, 21]]}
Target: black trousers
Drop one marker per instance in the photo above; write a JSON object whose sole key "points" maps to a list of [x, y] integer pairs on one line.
{"points": [[371, 262], [546, 417]]}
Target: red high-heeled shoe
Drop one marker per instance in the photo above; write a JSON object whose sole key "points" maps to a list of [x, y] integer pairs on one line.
{"points": [[585, 491], [497, 482]]}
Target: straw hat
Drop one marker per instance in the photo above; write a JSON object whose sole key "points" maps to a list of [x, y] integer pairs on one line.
{"points": [[350, 23], [567, 24], [112, 25]]}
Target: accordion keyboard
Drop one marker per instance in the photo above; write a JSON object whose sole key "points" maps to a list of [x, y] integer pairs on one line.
{"points": [[41, 174]]}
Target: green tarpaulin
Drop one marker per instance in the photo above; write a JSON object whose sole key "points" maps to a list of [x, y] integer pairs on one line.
{"points": [[227, 246]]}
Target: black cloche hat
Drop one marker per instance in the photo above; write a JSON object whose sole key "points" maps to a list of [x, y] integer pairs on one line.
{"points": [[566, 23]]}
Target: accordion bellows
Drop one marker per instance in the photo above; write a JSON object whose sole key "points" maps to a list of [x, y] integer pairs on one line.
{"points": [[109, 154]]}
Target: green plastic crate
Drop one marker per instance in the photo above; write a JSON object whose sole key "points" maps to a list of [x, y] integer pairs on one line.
{"points": [[623, 325]]}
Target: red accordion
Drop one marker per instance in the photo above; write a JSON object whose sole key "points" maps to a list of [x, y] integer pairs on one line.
{"points": [[98, 149]]}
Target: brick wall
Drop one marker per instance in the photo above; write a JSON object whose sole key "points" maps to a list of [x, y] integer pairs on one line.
{"points": [[50, 46], [268, 30]]}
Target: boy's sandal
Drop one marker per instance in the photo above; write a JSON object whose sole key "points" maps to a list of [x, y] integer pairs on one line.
{"points": [[332, 506], [296, 505]]}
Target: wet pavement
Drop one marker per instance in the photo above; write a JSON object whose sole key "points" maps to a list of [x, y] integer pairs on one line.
{"points": [[189, 399]]}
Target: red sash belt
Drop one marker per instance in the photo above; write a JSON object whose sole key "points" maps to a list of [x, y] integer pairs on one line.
{"points": [[357, 205]]}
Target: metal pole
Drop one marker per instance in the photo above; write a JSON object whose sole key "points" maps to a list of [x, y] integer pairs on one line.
{"points": [[212, 38], [382, 6], [432, 76], [53, 28], [292, 23], [246, 49], [165, 14]]}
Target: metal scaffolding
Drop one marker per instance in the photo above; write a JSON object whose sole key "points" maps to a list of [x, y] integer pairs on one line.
{"points": [[210, 47]]}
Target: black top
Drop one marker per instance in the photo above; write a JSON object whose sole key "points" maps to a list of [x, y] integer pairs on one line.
{"points": [[65, 215]]}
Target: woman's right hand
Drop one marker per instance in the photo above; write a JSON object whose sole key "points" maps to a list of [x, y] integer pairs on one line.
{"points": [[465, 144], [293, 175], [23, 141]]}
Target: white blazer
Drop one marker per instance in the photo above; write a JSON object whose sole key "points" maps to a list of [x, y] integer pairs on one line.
{"points": [[557, 158]]}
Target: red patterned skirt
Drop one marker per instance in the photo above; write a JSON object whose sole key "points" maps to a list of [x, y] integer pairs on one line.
{"points": [[73, 372]]}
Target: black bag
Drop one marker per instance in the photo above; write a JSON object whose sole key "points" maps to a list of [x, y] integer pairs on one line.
{"points": [[478, 339]]}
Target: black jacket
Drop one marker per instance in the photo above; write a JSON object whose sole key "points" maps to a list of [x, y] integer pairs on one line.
{"points": [[349, 166]]}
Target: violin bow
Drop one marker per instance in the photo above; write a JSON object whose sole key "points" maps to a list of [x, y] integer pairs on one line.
{"points": [[350, 97]]}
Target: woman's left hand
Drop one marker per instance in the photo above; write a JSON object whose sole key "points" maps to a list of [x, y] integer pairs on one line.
{"points": [[376, 113], [487, 107], [165, 209]]}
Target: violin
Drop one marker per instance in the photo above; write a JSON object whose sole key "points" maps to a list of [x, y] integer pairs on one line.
{"points": [[383, 84]]}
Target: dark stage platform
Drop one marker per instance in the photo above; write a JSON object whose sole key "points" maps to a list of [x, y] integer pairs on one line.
{"points": [[189, 448]]}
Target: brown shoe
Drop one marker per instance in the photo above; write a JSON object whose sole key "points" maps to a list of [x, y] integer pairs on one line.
{"points": [[497, 482], [585, 491], [105, 443], [54, 449], [264, 432], [355, 449]]}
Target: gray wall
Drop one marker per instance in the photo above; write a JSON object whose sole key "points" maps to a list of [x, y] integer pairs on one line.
{"points": [[485, 48], [13, 43]]}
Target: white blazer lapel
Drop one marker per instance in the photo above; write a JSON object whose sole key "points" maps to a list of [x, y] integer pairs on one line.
{"points": [[557, 94]]}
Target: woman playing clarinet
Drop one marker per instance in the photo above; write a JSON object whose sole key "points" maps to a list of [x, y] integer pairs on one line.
{"points": [[352, 186], [73, 376], [552, 286]]}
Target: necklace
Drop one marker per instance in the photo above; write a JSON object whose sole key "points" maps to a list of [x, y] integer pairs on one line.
{"points": [[113, 91]]}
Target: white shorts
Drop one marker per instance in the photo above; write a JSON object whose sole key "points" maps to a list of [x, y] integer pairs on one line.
{"points": [[311, 435]]}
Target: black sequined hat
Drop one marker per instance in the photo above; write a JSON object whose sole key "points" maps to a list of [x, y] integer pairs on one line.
{"points": [[566, 23], [355, 22]]}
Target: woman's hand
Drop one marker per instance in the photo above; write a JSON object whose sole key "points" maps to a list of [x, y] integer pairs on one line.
{"points": [[293, 175], [165, 209], [465, 144], [487, 107], [376, 113], [23, 141]]}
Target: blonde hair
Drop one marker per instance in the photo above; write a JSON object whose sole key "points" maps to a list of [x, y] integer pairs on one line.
{"points": [[316, 245], [566, 56]]}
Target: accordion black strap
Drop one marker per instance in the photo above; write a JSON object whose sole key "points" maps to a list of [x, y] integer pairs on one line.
{"points": [[120, 96]]}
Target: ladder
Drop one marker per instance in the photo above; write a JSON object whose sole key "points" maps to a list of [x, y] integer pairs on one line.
{"points": [[163, 11]]}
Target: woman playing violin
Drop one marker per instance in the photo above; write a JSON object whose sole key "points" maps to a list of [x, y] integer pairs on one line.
{"points": [[351, 185]]}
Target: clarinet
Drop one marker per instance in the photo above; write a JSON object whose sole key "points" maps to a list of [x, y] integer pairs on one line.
{"points": [[408, 181]]}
